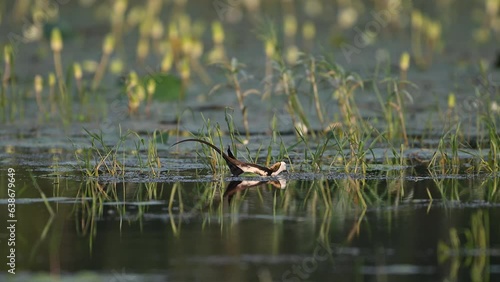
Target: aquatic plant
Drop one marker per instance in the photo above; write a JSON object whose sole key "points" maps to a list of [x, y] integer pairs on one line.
{"points": [[109, 160], [107, 49], [294, 105], [208, 156], [136, 93], [38, 87], [234, 70], [426, 38], [344, 86], [308, 34], [314, 158], [267, 33], [314, 87], [393, 107], [7, 101], [218, 53], [117, 20], [488, 22], [56, 45]]}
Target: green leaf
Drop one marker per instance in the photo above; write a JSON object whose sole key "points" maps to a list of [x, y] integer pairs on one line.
{"points": [[168, 87]]}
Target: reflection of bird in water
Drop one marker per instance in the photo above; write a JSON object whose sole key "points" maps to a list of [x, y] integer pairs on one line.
{"points": [[238, 186], [238, 167]]}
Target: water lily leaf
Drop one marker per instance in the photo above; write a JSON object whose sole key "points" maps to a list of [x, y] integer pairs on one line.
{"points": [[168, 87]]}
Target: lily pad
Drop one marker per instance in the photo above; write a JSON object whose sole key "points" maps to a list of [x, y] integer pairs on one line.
{"points": [[168, 87]]}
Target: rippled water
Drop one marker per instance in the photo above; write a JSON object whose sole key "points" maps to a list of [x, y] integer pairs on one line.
{"points": [[314, 228]]}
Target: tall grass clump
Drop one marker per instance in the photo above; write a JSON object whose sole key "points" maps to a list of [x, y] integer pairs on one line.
{"points": [[345, 85], [311, 70], [211, 133], [394, 107], [492, 163], [102, 158], [446, 159], [236, 75], [287, 78]]}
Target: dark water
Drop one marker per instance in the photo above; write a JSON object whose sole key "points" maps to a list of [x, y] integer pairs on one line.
{"points": [[311, 230]]}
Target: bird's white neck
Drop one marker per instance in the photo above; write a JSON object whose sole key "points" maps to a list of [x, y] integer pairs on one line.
{"points": [[281, 168]]}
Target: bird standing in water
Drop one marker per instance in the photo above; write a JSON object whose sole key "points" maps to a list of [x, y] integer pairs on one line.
{"points": [[238, 167]]}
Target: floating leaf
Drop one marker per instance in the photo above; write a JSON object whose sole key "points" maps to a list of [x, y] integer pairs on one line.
{"points": [[168, 87]]}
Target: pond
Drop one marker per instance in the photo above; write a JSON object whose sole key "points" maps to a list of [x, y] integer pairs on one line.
{"points": [[190, 225], [384, 112]]}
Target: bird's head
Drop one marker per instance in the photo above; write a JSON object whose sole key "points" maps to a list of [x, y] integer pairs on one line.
{"points": [[278, 168]]}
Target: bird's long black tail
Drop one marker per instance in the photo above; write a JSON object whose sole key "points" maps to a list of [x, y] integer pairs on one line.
{"points": [[230, 160]]}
